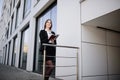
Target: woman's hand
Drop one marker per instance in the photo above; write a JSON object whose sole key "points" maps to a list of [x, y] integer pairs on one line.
{"points": [[52, 40]]}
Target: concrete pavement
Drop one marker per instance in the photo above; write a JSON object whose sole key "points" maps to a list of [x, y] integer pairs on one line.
{"points": [[13, 73]]}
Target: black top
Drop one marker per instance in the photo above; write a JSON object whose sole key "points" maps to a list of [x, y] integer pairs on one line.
{"points": [[50, 51]]}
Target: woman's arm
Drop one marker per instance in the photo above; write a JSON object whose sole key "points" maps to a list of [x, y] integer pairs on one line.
{"points": [[43, 37], [55, 42]]}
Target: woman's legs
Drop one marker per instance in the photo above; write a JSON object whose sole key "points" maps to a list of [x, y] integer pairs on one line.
{"points": [[49, 68]]}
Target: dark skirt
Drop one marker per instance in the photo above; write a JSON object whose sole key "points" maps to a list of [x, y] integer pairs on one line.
{"points": [[50, 53]]}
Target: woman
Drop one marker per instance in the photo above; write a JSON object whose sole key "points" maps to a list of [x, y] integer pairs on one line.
{"points": [[50, 51]]}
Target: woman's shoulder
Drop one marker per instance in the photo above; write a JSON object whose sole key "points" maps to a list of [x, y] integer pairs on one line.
{"points": [[52, 32], [42, 31]]}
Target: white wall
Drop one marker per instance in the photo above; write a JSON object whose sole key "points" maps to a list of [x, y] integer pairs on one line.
{"points": [[92, 9], [113, 51], [68, 26], [31, 45], [100, 54]]}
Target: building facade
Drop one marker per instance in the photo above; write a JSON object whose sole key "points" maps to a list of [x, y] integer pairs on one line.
{"points": [[91, 25]]}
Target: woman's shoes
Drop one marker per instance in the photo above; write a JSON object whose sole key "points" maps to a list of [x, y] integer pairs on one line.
{"points": [[46, 78]]}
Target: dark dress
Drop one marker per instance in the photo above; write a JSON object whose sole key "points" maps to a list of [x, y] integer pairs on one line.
{"points": [[50, 51]]}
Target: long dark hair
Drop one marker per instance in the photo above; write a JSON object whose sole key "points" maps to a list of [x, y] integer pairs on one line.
{"points": [[46, 22]]}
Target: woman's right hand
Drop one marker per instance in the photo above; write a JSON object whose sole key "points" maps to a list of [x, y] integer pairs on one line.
{"points": [[52, 41]]}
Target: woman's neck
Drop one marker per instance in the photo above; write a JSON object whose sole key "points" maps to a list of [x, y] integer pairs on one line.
{"points": [[47, 29]]}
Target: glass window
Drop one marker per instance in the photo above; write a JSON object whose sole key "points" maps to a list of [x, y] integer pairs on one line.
{"points": [[49, 14], [5, 52], [17, 16], [17, 1], [38, 0], [13, 3], [11, 29], [7, 33], [24, 48], [8, 28], [8, 53], [14, 51], [27, 7]]}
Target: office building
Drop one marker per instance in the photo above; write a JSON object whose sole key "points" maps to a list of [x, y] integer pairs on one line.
{"points": [[91, 25]]}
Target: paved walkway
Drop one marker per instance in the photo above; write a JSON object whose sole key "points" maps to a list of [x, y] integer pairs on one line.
{"points": [[13, 73]]}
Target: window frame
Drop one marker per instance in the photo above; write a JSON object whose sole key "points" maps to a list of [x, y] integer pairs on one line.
{"points": [[22, 45], [25, 10], [14, 45], [17, 23], [36, 28]]}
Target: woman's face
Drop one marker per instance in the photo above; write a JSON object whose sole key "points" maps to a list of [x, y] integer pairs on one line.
{"points": [[48, 24]]}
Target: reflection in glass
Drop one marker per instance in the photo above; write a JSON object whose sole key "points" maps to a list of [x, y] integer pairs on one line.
{"points": [[24, 49], [14, 51], [8, 53]]}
